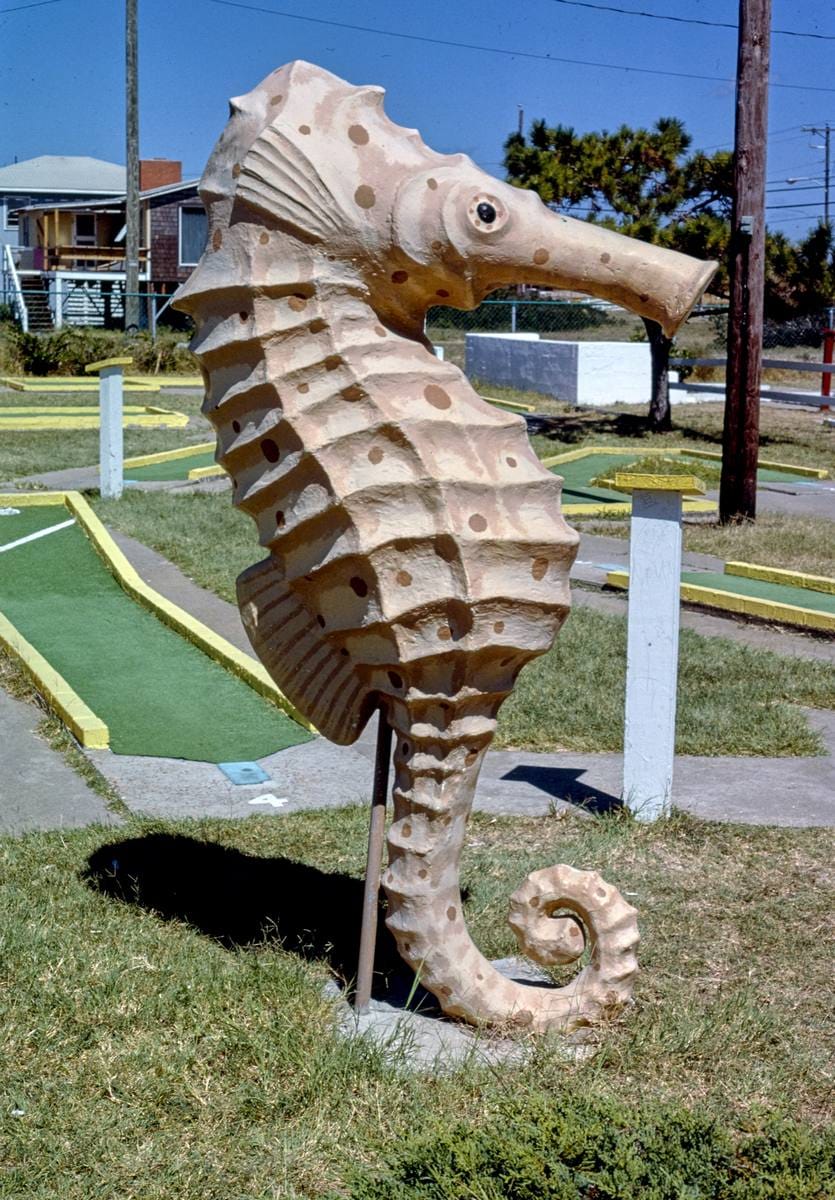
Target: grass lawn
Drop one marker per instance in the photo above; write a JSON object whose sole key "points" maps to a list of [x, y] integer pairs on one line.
{"points": [[775, 540], [732, 700], [175, 1048], [31, 452]]}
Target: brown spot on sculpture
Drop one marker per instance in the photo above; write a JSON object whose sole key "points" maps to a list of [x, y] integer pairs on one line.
{"points": [[445, 507]]}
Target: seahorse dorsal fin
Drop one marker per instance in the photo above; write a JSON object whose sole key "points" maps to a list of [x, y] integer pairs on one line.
{"points": [[279, 180]]}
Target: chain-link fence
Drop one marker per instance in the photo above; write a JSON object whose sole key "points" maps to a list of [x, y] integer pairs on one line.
{"points": [[46, 306], [566, 320], [101, 306], [704, 335]]}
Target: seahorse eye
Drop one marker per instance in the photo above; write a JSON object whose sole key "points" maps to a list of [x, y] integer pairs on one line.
{"points": [[486, 213]]}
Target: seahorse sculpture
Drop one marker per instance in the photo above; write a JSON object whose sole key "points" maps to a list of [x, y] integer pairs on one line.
{"points": [[416, 552]]}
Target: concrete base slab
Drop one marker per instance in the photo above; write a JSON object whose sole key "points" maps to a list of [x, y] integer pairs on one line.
{"points": [[38, 790], [415, 1036]]}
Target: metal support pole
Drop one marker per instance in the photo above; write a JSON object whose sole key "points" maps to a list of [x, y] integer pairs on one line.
{"points": [[376, 835]]}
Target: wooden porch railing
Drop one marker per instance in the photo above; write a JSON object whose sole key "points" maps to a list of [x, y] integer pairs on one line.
{"points": [[99, 258]]}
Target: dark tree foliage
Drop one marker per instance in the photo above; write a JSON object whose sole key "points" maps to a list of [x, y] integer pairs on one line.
{"points": [[647, 183]]}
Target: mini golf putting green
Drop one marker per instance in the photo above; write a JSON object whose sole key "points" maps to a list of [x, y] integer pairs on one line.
{"points": [[738, 589], [158, 694], [579, 472], [774, 593], [170, 469]]}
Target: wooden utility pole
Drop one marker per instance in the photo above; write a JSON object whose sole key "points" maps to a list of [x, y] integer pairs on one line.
{"points": [[740, 440], [132, 190]]}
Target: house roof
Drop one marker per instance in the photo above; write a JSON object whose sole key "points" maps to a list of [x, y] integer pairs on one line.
{"points": [[62, 173], [116, 203]]}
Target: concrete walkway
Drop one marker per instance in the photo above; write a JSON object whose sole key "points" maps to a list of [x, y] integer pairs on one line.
{"points": [[38, 790]]}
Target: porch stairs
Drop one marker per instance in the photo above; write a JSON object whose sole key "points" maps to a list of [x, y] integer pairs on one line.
{"points": [[36, 299]]}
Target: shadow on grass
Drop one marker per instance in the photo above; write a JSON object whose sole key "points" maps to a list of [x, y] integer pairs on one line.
{"points": [[582, 425], [242, 900], [565, 783]]}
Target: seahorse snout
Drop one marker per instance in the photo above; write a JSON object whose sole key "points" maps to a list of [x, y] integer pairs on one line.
{"points": [[483, 234]]}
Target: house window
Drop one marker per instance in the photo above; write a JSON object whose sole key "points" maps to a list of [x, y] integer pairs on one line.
{"points": [[194, 229], [10, 206], [85, 229]]}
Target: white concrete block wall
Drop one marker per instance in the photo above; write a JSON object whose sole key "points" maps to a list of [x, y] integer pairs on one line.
{"points": [[582, 373], [613, 373]]}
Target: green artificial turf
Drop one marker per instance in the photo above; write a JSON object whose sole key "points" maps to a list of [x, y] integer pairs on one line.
{"points": [[158, 694], [175, 468], [778, 593], [578, 474]]}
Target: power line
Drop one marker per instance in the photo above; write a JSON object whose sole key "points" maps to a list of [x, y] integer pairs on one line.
{"points": [[811, 204], [635, 12], [21, 7], [577, 62], [813, 188]]}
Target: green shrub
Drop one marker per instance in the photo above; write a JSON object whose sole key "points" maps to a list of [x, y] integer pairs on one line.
{"points": [[68, 350], [573, 1147]]}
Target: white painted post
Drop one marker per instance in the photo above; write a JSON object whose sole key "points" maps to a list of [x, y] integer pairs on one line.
{"points": [[111, 455], [110, 433], [652, 639], [59, 301]]}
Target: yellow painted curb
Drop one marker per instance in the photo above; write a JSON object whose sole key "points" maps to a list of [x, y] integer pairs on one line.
{"points": [[813, 583], [596, 510], [516, 405], [766, 464], [211, 643], [87, 727], [72, 383], [750, 606], [30, 499], [629, 481], [168, 381], [624, 510], [148, 460], [86, 417], [123, 361], [206, 472]]}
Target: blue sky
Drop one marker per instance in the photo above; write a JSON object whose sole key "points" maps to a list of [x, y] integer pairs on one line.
{"points": [[61, 74]]}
